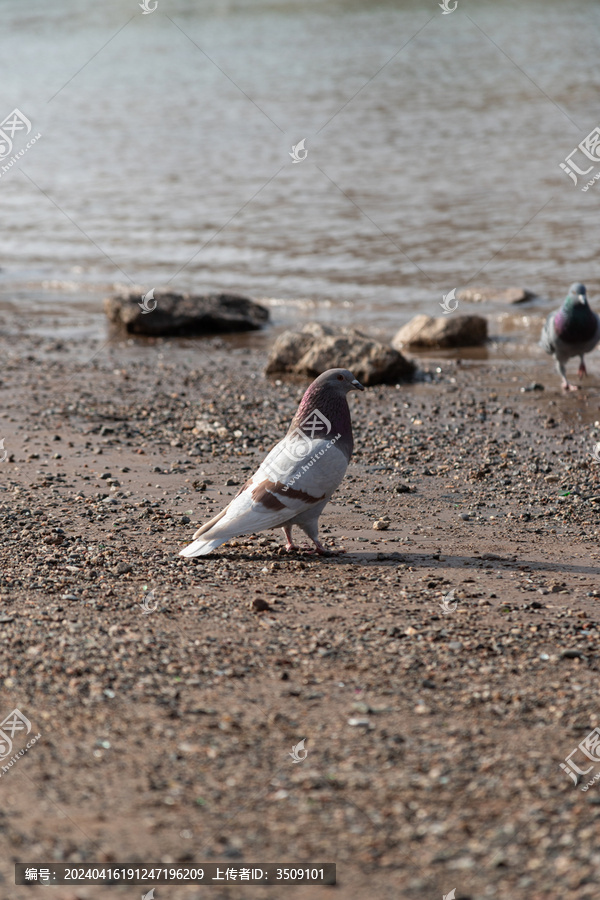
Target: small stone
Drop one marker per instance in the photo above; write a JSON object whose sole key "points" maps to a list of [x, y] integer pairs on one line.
{"points": [[260, 605], [381, 524]]}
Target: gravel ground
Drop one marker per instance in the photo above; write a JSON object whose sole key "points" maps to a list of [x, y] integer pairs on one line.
{"points": [[434, 740]]}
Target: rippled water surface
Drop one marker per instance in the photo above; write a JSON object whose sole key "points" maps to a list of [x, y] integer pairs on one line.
{"points": [[434, 144]]}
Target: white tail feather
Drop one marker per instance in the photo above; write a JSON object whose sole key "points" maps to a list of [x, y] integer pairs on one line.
{"points": [[201, 548]]}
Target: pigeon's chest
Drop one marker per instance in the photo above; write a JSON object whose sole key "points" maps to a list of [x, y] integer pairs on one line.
{"points": [[578, 327]]}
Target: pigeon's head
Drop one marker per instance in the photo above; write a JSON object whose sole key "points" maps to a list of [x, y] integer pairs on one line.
{"points": [[339, 380], [577, 293]]}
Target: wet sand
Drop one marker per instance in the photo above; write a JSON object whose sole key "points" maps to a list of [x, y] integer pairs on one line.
{"points": [[434, 740]]}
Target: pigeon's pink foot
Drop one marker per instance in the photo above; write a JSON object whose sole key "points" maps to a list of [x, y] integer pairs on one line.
{"points": [[582, 370], [567, 386], [325, 551], [289, 544]]}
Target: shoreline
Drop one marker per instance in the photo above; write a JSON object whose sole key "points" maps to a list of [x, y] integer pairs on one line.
{"points": [[50, 312]]}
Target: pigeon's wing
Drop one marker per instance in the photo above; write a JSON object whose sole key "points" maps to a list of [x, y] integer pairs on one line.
{"points": [[587, 345], [297, 475], [548, 336], [596, 338]]}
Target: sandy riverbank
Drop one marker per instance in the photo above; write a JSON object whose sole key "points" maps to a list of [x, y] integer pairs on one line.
{"points": [[434, 740]]}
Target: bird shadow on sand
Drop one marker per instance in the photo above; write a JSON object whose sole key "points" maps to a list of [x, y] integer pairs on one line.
{"points": [[419, 560]]}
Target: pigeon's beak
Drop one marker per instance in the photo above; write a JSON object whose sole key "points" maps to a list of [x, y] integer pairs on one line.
{"points": [[582, 298], [357, 385]]}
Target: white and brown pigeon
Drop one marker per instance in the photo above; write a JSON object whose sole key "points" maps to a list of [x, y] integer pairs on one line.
{"points": [[571, 331], [296, 480]]}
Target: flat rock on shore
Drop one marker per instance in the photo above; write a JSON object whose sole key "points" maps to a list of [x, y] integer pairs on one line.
{"points": [[490, 295], [317, 348], [430, 332], [170, 313]]}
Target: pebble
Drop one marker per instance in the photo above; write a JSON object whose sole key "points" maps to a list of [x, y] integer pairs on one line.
{"points": [[260, 605], [381, 524]]}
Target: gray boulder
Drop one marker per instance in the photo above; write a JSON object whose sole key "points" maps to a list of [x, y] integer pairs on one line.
{"points": [[170, 313], [451, 331], [318, 348], [286, 352]]}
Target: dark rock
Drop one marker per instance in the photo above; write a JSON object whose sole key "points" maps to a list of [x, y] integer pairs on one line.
{"points": [[403, 489], [184, 314], [572, 654], [453, 331], [260, 605]]}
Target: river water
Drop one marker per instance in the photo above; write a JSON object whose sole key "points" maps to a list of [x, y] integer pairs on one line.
{"points": [[431, 160]]}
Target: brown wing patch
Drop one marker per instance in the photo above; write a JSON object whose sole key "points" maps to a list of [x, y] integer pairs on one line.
{"points": [[265, 493], [297, 494]]}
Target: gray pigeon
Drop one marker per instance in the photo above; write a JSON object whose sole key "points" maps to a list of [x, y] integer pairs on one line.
{"points": [[571, 331], [296, 480]]}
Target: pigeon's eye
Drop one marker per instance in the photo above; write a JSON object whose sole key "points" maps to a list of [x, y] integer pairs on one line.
{"points": [[340, 378]]}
